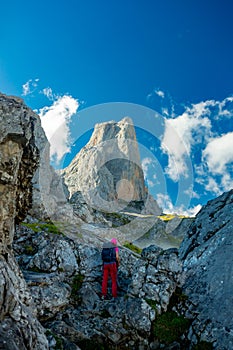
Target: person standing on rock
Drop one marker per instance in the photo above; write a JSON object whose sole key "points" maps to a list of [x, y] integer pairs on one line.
{"points": [[110, 257]]}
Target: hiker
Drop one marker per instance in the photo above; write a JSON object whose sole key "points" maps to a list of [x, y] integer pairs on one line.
{"points": [[110, 257]]}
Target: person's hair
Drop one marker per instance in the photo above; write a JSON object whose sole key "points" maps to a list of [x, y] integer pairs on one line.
{"points": [[114, 241]]}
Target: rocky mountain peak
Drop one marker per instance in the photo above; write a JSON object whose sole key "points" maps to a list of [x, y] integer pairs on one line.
{"points": [[124, 129], [108, 169]]}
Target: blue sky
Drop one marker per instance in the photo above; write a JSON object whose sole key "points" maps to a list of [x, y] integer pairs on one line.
{"points": [[72, 61]]}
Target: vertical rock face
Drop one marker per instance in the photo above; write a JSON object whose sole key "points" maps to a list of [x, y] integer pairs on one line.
{"points": [[19, 158], [207, 257], [49, 201], [108, 169], [48, 197]]}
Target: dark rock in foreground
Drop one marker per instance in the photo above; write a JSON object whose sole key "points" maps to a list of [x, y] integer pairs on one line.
{"points": [[207, 258], [19, 158]]}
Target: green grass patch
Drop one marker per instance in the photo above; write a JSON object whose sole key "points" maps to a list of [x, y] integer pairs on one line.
{"points": [[90, 344], [46, 226], [29, 250], [105, 314], [59, 342], [75, 287], [34, 227], [117, 219], [178, 297], [132, 247], [153, 304], [203, 345], [168, 327]]}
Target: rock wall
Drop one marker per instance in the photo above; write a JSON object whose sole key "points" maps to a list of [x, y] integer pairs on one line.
{"points": [[107, 170], [19, 158], [67, 290], [207, 257]]}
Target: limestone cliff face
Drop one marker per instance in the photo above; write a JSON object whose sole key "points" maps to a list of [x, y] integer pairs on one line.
{"points": [[108, 169], [19, 158], [206, 252]]}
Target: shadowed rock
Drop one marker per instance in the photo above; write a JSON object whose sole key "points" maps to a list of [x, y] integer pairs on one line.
{"points": [[19, 158], [207, 257]]}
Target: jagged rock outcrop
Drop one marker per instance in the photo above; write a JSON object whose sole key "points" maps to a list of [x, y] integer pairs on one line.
{"points": [[19, 158], [107, 170], [65, 277], [207, 257]]}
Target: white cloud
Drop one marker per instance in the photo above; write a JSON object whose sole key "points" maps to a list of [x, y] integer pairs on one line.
{"points": [[225, 108], [160, 93], [199, 144], [212, 186], [150, 183], [157, 92], [227, 182], [202, 108], [191, 211], [166, 204], [150, 167], [165, 112], [181, 133], [191, 193], [30, 86], [146, 162], [218, 159], [49, 93], [219, 153], [55, 121]]}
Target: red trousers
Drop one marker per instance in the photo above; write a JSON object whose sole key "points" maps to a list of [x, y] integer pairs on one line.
{"points": [[109, 269]]}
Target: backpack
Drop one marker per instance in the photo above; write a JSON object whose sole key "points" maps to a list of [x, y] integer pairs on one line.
{"points": [[109, 255]]}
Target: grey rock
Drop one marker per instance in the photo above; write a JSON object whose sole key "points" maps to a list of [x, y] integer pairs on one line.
{"points": [[126, 320], [157, 279], [19, 158], [107, 171], [207, 257], [151, 253]]}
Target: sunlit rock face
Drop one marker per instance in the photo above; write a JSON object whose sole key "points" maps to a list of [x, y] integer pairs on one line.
{"points": [[108, 170], [19, 158]]}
